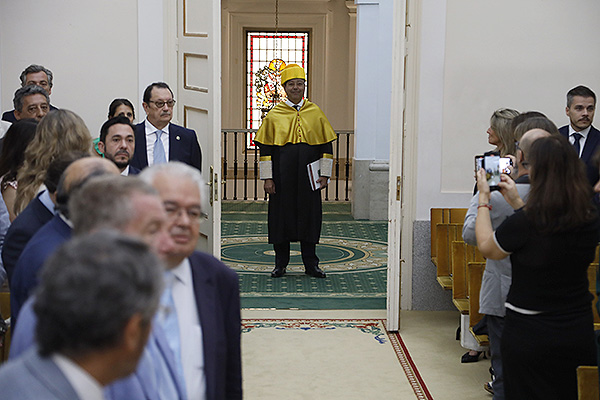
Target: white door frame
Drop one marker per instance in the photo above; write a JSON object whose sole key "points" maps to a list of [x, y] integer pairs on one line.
{"points": [[403, 157]]}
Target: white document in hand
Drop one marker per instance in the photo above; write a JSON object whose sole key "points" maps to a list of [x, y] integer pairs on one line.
{"points": [[313, 175]]}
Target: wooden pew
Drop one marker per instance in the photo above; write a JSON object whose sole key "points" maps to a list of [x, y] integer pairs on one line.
{"points": [[446, 234], [443, 216], [436, 216], [587, 383], [462, 254], [592, 274], [475, 273], [446, 227]]}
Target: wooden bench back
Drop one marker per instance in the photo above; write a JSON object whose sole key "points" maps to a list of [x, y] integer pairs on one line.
{"points": [[587, 383]]}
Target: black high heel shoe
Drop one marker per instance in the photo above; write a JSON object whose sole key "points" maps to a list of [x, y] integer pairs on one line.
{"points": [[468, 358]]}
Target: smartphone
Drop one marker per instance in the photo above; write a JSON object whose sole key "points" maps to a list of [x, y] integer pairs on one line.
{"points": [[494, 165]]}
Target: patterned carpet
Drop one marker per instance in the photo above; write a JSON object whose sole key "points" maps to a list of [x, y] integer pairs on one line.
{"points": [[352, 253], [355, 351]]}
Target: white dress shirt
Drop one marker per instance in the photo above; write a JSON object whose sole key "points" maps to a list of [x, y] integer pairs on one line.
{"points": [[190, 331], [289, 103], [47, 201], [583, 133], [125, 172], [82, 382], [151, 138]]}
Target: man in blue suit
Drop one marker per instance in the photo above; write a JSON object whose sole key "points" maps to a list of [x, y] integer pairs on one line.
{"points": [[134, 208], [157, 140], [95, 304], [35, 215], [54, 233], [117, 143], [206, 326], [581, 105]]}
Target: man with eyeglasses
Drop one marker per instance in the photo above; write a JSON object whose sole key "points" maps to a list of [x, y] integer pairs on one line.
{"points": [[33, 75], [157, 140], [204, 326]]}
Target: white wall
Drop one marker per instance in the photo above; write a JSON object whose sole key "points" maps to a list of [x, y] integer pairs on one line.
{"points": [[90, 46], [479, 56]]}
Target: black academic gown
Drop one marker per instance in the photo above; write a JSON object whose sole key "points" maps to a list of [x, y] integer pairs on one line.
{"points": [[294, 209]]}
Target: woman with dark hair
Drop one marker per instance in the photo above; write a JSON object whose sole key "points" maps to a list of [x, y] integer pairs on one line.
{"points": [[121, 107], [117, 107], [551, 240], [16, 140]]}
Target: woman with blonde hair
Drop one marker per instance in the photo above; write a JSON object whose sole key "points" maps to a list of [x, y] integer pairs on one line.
{"points": [[59, 132], [500, 133]]}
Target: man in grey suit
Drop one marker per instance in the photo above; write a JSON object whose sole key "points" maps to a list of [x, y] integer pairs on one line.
{"points": [[95, 303], [497, 276]]}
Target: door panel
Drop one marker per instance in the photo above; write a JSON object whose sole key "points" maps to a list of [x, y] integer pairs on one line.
{"points": [[199, 98]]}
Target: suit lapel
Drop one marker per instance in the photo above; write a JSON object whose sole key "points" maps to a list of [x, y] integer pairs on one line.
{"points": [[590, 144], [173, 143], [140, 153], [40, 210], [48, 373], [62, 228], [204, 291]]}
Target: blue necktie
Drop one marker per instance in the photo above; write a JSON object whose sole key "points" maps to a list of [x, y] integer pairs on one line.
{"points": [[159, 150], [169, 320], [577, 137]]}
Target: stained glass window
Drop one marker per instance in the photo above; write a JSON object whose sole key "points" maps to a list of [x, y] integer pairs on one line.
{"points": [[267, 53]]}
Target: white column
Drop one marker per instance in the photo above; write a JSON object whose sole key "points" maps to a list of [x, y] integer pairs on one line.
{"points": [[374, 26]]}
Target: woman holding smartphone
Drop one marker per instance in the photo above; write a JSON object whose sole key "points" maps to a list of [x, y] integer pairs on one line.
{"points": [[551, 240]]}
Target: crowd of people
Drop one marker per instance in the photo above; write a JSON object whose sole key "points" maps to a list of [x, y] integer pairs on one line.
{"points": [[539, 230], [109, 297]]}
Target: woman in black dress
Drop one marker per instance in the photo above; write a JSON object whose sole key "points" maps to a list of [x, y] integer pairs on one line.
{"points": [[551, 240]]}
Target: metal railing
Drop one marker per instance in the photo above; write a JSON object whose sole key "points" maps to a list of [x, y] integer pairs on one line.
{"points": [[240, 167]]}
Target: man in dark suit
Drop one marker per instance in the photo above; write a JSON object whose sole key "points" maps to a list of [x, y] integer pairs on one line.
{"points": [[54, 233], [35, 215], [86, 338], [157, 140], [205, 292], [33, 75], [581, 105], [117, 143]]}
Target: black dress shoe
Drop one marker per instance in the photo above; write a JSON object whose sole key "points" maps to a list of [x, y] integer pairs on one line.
{"points": [[277, 272], [315, 272]]}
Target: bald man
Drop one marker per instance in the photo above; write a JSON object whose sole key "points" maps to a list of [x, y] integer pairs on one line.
{"points": [[54, 233]]}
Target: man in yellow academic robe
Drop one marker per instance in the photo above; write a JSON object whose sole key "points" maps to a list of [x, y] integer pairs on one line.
{"points": [[294, 134]]}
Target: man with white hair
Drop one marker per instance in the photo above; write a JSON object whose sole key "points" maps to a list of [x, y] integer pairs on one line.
{"points": [[203, 324]]}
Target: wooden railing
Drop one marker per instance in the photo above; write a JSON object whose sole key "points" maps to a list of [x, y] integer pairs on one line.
{"points": [[240, 167]]}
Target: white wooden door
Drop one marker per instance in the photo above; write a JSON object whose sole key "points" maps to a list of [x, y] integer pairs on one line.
{"points": [[199, 101]]}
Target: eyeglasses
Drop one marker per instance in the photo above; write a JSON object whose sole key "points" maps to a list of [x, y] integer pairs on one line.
{"points": [[193, 213], [161, 104]]}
